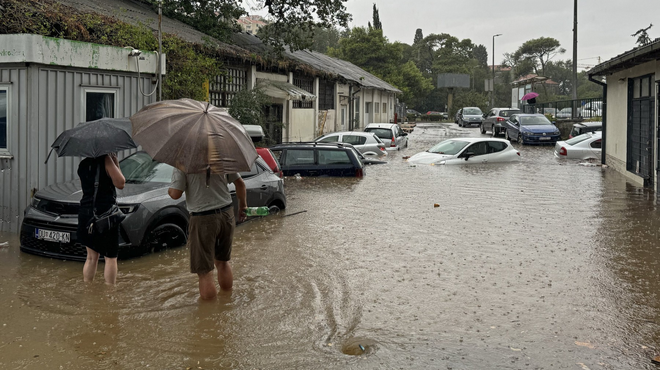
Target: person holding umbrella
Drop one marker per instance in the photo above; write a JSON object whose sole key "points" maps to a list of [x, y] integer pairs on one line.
{"points": [[100, 176], [99, 179], [208, 147]]}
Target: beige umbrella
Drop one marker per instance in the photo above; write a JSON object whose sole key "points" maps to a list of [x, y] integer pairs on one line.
{"points": [[193, 136]]}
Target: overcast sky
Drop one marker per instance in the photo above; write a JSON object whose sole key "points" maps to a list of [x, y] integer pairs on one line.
{"points": [[604, 26]]}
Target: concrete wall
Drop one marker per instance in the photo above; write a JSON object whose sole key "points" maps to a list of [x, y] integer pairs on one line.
{"points": [[617, 117], [301, 125]]}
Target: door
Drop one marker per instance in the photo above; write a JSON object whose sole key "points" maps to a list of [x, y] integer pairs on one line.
{"points": [[367, 113], [641, 117]]}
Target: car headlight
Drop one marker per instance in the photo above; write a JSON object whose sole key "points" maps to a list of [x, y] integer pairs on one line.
{"points": [[35, 202], [557, 132], [128, 208]]}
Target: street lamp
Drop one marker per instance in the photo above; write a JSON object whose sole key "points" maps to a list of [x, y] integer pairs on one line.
{"points": [[492, 92]]}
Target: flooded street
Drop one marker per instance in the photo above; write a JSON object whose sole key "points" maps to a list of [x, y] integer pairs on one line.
{"points": [[540, 264]]}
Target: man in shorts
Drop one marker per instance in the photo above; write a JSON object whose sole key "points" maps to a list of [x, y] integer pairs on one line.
{"points": [[211, 226]]}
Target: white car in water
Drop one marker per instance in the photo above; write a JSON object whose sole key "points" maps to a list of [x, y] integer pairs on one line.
{"points": [[468, 151], [585, 146]]}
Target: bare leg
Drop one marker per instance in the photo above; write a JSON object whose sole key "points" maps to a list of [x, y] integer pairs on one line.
{"points": [[110, 271], [89, 270], [225, 275], [207, 286]]}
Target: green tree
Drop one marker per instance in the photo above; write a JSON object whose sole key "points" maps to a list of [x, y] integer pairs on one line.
{"points": [[376, 19], [325, 38], [217, 18], [540, 51], [480, 53], [419, 36]]}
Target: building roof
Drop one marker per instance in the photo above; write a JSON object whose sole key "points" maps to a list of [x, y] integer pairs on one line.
{"points": [[321, 62], [135, 12], [534, 78], [631, 58]]}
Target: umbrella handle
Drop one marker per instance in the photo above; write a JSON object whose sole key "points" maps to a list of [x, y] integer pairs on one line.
{"points": [[49, 153]]}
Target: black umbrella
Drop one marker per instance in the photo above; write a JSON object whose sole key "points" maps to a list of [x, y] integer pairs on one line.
{"points": [[95, 138]]}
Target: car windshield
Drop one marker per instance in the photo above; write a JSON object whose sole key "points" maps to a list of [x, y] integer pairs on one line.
{"points": [[383, 133], [534, 120], [472, 112], [140, 168], [450, 147], [578, 139]]}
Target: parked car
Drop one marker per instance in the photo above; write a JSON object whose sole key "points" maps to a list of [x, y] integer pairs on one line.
{"points": [[319, 159], [469, 116], [413, 112], [366, 143], [531, 129], [585, 146], [270, 160], [592, 109], [567, 113], [153, 220], [390, 133], [495, 118], [468, 151], [584, 127]]}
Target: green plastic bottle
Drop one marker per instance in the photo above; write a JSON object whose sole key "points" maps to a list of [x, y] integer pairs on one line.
{"points": [[257, 211]]}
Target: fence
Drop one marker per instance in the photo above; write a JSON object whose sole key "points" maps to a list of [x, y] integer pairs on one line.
{"points": [[568, 109]]}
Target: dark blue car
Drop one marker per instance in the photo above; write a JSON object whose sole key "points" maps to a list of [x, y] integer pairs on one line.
{"points": [[531, 129]]}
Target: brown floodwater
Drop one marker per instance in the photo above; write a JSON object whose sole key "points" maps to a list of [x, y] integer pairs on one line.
{"points": [[540, 264]]}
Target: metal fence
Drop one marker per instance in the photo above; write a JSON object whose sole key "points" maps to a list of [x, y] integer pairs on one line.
{"points": [[568, 109]]}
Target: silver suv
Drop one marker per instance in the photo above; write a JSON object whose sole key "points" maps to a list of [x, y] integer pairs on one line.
{"points": [[153, 221], [494, 120], [366, 143], [390, 133]]}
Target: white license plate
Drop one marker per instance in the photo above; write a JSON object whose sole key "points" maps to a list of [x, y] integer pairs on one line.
{"points": [[53, 236], [545, 138]]}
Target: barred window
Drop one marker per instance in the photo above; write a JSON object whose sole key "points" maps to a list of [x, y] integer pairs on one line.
{"points": [[225, 87], [306, 84], [326, 95]]}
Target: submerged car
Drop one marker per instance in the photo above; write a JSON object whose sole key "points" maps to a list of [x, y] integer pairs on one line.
{"points": [[366, 143], [390, 134], [584, 127], [153, 221], [531, 129], [319, 159], [468, 151], [585, 146]]}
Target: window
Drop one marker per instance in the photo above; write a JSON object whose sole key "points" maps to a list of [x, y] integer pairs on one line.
{"points": [[333, 157], [496, 146], [254, 171], [376, 107], [330, 139], [306, 84], [384, 107], [596, 144], [223, 89], [476, 149], [297, 157], [4, 107], [326, 95], [99, 104], [354, 139], [357, 105]]}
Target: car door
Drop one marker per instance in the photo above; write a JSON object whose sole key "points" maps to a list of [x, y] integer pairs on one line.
{"points": [[489, 121], [511, 125], [330, 139], [401, 137], [473, 153], [495, 152]]}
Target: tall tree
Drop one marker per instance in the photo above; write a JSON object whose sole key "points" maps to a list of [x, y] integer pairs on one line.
{"points": [[419, 36], [376, 19], [480, 53], [540, 51]]}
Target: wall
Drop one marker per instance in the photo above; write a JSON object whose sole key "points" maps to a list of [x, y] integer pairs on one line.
{"points": [[617, 117], [46, 100], [301, 125]]}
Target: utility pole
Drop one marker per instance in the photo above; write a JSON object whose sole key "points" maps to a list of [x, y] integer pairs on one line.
{"points": [[492, 90], [575, 41]]}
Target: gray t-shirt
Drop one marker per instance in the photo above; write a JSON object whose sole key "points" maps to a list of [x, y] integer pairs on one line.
{"points": [[199, 197]]}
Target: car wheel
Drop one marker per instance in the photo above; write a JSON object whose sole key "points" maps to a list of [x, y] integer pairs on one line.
{"points": [[483, 129], [520, 139], [164, 236]]}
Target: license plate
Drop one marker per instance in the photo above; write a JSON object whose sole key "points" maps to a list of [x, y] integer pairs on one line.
{"points": [[545, 138], [53, 236]]}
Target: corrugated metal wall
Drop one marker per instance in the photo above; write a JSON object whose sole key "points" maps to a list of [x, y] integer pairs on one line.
{"points": [[45, 102]]}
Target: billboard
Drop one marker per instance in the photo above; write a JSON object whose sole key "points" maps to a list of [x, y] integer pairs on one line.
{"points": [[453, 80]]}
